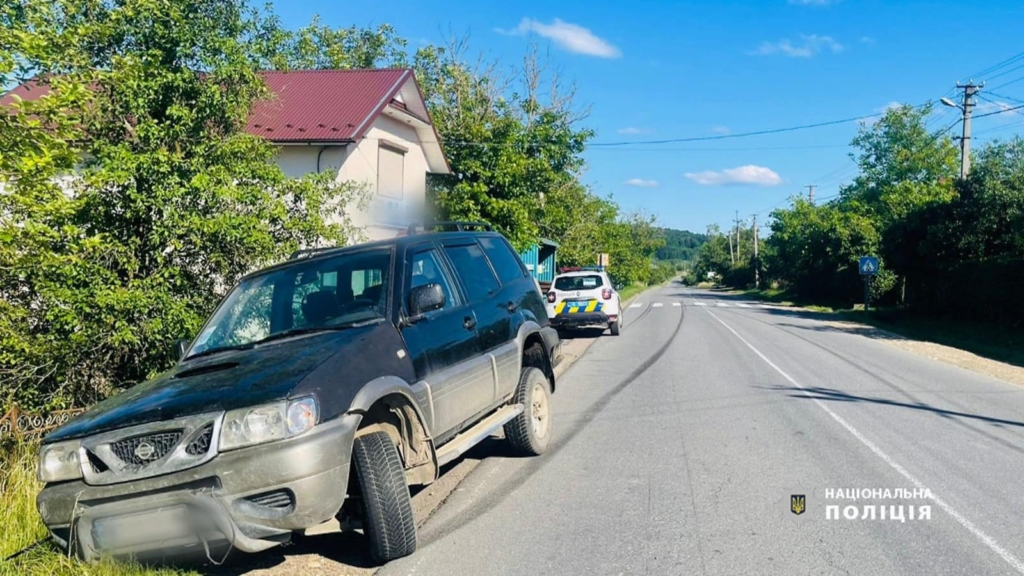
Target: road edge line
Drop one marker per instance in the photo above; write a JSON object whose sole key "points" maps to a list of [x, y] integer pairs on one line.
{"points": [[964, 522]]}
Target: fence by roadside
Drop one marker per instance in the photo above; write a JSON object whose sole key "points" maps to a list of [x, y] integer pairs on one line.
{"points": [[18, 424]]}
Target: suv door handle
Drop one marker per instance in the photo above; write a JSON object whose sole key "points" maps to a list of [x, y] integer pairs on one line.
{"points": [[469, 322], [511, 307]]}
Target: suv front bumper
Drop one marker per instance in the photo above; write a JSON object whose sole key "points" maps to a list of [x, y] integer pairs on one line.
{"points": [[252, 498]]}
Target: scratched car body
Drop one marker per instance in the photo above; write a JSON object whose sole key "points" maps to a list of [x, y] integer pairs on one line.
{"points": [[320, 388]]}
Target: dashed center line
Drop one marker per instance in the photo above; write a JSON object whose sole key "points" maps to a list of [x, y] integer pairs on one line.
{"points": [[742, 305], [656, 305], [722, 305], [676, 304], [636, 304], [700, 303]]}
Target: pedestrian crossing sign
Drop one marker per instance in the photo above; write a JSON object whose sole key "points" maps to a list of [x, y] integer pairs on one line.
{"points": [[868, 265]]}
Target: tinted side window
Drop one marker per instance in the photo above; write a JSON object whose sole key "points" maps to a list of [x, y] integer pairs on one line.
{"points": [[472, 267], [425, 268], [505, 262]]}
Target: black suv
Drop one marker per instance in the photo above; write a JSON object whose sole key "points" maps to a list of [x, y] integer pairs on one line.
{"points": [[320, 388]]}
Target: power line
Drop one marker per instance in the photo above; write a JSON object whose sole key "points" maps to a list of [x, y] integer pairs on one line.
{"points": [[998, 65], [1004, 73], [1003, 111], [1004, 96], [739, 135], [1005, 84]]}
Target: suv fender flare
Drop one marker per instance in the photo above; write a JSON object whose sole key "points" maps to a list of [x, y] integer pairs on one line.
{"points": [[383, 386], [421, 463], [550, 349]]}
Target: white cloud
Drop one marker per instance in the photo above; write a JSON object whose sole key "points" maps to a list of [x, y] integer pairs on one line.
{"points": [[867, 40], [641, 183], [749, 174], [572, 37], [721, 130], [809, 46], [633, 130]]}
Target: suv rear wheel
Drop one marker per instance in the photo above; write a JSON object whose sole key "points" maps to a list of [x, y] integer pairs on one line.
{"points": [[388, 520], [529, 432]]}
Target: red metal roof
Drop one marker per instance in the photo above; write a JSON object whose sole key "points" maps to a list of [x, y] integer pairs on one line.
{"points": [[306, 105], [323, 105]]}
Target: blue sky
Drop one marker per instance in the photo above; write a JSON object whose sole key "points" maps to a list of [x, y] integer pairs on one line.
{"points": [[661, 70]]}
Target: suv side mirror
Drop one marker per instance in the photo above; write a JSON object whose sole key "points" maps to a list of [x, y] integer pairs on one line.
{"points": [[178, 348], [423, 299]]}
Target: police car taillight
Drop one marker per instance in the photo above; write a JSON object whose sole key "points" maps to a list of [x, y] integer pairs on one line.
{"points": [[606, 293], [551, 297]]}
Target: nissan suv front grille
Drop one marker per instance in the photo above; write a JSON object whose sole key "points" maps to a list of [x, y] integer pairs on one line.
{"points": [[141, 450]]}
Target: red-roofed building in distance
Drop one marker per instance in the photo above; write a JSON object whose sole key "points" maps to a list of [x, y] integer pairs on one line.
{"points": [[368, 126]]}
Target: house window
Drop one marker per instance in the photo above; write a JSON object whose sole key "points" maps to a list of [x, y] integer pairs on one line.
{"points": [[390, 169]]}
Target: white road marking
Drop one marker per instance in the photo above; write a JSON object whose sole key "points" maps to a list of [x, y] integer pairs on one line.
{"points": [[676, 304], [722, 305], [636, 305], [985, 538], [700, 304], [656, 305], [742, 305]]}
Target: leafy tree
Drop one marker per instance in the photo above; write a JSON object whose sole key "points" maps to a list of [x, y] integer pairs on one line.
{"points": [[320, 47], [509, 149], [170, 202]]}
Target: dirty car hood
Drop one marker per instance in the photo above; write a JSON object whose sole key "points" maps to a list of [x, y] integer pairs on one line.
{"points": [[232, 379]]}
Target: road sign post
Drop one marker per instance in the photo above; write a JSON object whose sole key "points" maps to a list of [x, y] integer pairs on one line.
{"points": [[868, 267]]}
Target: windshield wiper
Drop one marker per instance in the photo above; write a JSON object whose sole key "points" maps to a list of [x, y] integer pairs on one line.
{"points": [[218, 350]]}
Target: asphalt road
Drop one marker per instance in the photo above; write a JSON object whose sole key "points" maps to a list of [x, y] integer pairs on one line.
{"points": [[679, 444]]}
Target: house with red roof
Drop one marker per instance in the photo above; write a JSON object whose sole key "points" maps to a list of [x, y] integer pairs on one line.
{"points": [[369, 126]]}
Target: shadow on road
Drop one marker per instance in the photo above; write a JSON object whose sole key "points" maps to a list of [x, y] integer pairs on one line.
{"points": [[829, 394], [580, 333]]}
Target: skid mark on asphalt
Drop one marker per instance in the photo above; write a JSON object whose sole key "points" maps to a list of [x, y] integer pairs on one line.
{"points": [[960, 518], [912, 401], [519, 477]]}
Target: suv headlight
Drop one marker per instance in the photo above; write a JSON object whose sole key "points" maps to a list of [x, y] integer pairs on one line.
{"points": [[59, 461], [259, 424]]}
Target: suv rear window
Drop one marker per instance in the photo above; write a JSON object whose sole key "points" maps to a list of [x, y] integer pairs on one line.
{"points": [[504, 260], [578, 282]]}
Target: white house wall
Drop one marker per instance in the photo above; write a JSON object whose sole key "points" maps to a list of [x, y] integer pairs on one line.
{"points": [[358, 162]]}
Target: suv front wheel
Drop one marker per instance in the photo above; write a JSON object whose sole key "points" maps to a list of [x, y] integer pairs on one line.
{"points": [[387, 508], [529, 432]]}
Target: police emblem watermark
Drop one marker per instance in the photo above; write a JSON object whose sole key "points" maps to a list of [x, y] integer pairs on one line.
{"points": [[880, 506], [798, 503]]}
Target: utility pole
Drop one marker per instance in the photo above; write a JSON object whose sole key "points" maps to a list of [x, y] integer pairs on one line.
{"points": [[757, 266], [969, 89], [737, 229], [810, 193]]}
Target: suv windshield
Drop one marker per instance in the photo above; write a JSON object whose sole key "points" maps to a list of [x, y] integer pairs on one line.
{"points": [[578, 282], [321, 294]]}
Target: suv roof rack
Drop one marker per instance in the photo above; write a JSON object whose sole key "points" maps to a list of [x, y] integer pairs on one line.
{"points": [[309, 252], [581, 269], [450, 225]]}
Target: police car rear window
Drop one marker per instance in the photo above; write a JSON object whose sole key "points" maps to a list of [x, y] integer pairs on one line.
{"points": [[577, 282]]}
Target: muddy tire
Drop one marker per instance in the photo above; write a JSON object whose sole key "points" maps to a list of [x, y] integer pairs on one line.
{"points": [[528, 433], [388, 520]]}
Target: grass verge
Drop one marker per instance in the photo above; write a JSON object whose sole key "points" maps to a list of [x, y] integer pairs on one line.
{"points": [[25, 548], [988, 340]]}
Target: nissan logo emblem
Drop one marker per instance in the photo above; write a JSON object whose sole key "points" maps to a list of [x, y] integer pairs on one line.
{"points": [[144, 451]]}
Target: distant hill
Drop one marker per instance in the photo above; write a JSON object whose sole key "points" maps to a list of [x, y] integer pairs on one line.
{"points": [[680, 245]]}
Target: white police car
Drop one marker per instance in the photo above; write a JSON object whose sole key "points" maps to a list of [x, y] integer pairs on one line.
{"points": [[581, 297]]}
